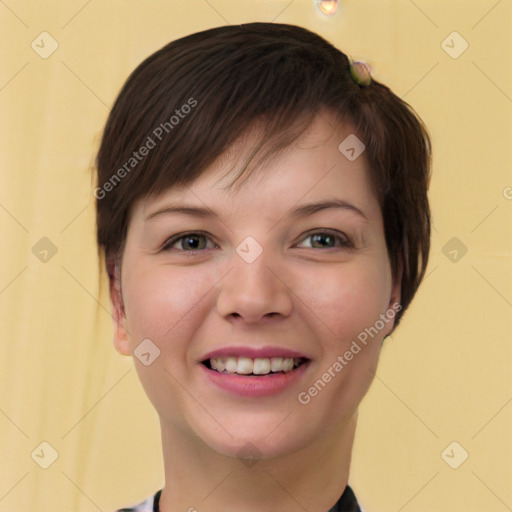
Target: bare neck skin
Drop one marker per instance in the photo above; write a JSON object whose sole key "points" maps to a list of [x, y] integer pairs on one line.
{"points": [[198, 478]]}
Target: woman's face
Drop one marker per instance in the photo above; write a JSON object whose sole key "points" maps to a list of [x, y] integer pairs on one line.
{"points": [[254, 274]]}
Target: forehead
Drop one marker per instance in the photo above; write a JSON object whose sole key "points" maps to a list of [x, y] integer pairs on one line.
{"points": [[235, 174]]}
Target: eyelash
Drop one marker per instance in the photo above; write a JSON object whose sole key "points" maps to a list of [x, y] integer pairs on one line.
{"points": [[344, 241]]}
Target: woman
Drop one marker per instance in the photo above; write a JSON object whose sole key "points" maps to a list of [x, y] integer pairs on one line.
{"points": [[262, 210]]}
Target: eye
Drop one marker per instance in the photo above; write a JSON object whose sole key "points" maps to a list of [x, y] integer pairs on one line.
{"points": [[196, 242], [187, 242], [325, 238]]}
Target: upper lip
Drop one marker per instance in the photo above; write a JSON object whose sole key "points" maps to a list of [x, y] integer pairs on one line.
{"points": [[254, 353]]}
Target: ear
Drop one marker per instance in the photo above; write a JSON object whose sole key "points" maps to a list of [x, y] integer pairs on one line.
{"points": [[396, 295], [118, 313], [396, 290]]}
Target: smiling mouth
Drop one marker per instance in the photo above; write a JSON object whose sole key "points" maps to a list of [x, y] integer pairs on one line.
{"points": [[256, 367]]}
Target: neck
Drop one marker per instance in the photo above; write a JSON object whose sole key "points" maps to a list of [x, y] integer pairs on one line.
{"points": [[199, 478]]}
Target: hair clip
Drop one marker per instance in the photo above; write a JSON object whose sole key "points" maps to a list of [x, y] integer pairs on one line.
{"points": [[360, 73]]}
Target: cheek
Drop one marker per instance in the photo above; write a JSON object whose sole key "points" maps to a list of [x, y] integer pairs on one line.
{"points": [[160, 304], [350, 300]]}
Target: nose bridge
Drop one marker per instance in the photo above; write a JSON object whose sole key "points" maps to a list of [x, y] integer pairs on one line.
{"points": [[252, 288]]}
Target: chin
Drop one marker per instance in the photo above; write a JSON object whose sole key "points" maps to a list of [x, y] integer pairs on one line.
{"points": [[252, 440]]}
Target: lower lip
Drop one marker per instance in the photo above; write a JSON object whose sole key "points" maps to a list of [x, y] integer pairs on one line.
{"points": [[266, 385]]}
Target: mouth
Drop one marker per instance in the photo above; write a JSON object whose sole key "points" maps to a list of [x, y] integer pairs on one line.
{"points": [[255, 378], [254, 372], [254, 367]]}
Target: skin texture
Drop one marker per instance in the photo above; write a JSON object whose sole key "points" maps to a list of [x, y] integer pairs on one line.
{"points": [[311, 294]]}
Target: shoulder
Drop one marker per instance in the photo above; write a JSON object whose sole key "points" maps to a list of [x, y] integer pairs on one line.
{"points": [[148, 505]]}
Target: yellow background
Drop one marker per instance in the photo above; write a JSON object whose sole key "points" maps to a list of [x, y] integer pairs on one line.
{"points": [[444, 376]]}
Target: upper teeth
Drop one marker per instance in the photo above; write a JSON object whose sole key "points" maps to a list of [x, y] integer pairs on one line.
{"points": [[258, 366]]}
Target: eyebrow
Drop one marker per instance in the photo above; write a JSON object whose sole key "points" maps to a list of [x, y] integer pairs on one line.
{"points": [[302, 211]]}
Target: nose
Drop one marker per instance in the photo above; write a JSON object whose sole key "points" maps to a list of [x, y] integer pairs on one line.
{"points": [[256, 291]]}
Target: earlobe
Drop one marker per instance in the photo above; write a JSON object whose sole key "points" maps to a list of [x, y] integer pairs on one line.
{"points": [[122, 346], [118, 314]]}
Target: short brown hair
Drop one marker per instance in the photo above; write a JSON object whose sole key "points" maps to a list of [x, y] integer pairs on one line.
{"points": [[189, 101]]}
